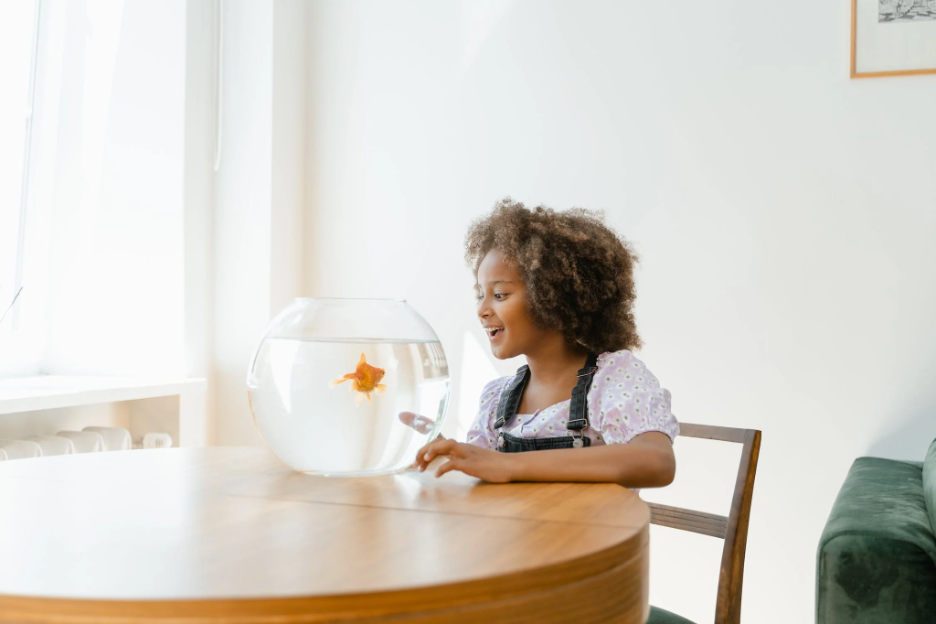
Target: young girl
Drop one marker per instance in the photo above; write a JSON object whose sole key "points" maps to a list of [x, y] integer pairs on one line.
{"points": [[558, 288]]}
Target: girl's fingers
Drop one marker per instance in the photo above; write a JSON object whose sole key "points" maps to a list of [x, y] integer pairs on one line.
{"points": [[451, 464], [420, 454], [441, 447], [438, 448]]}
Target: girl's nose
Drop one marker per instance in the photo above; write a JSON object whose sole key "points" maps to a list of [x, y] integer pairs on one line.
{"points": [[483, 310]]}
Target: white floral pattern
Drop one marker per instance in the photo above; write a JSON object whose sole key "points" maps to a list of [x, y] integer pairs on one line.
{"points": [[619, 407]]}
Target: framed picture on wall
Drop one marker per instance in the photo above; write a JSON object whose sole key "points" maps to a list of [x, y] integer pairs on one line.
{"points": [[893, 38]]}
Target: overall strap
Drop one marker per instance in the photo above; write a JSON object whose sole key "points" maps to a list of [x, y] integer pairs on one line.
{"points": [[578, 408], [510, 399]]}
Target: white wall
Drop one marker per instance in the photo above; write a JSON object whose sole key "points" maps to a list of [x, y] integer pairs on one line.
{"points": [[201, 93], [784, 214], [258, 195], [288, 154]]}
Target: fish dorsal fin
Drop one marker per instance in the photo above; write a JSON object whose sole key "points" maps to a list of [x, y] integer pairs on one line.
{"points": [[363, 360]]}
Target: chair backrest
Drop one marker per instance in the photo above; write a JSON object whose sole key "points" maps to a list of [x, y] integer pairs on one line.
{"points": [[733, 529]]}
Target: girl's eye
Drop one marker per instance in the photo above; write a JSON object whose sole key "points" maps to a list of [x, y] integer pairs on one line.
{"points": [[498, 296]]}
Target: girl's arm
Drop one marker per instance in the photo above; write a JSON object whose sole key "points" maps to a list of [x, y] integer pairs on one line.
{"points": [[645, 461]]}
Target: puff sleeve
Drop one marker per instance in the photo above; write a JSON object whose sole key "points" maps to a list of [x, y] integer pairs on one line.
{"points": [[631, 400], [481, 432]]}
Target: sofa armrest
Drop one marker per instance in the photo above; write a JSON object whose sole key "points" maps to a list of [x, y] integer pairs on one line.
{"points": [[877, 555]]}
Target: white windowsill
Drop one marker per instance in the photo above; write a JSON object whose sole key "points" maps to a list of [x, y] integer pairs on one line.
{"points": [[26, 394]]}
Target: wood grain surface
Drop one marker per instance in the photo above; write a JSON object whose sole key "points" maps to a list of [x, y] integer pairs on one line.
{"points": [[233, 535]]}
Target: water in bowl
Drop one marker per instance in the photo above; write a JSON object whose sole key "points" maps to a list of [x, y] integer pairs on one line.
{"points": [[317, 427]]}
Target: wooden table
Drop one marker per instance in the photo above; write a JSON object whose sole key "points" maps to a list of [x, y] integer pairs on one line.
{"points": [[232, 535]]}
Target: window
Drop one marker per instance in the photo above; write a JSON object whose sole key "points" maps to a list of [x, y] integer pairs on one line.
{"points": [[99, 163], [17, 43]]}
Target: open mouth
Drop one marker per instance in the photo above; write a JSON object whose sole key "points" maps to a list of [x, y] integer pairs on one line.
{"points": [[492, 332]]}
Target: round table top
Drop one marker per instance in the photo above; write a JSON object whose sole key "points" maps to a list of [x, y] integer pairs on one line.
{"points": [[215, 533]]}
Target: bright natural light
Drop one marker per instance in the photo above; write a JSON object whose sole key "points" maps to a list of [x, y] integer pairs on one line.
{"points": [[17, 25], [477, 371]]}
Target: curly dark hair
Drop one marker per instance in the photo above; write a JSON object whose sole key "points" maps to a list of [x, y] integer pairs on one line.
{"points": [[579, 273]]}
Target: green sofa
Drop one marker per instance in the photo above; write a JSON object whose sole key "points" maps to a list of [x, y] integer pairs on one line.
{"points": [[877, 556]]}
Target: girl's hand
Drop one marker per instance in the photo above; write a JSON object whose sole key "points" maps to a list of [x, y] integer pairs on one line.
{"points": [[489, 466], [420, 424]]}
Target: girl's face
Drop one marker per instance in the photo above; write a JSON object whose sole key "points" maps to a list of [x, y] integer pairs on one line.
{"points": [[502, 308]]}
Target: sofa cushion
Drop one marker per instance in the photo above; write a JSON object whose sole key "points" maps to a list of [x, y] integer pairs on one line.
{"points": [[929, 485], [877, 554]]}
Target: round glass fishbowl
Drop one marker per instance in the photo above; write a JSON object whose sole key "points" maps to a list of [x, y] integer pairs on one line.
{"points": [[331, 377]]}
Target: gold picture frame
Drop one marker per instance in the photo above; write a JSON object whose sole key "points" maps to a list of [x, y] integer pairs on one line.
{"points": [[898, 5]]}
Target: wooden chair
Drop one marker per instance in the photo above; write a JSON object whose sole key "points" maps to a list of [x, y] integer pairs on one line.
{"points": [[732, 529]]}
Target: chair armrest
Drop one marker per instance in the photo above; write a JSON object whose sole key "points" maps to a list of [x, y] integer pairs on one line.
{"points": [[877, 555]]}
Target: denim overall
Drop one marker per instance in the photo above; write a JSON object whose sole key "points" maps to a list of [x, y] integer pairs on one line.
{"points": [[578, 413]]}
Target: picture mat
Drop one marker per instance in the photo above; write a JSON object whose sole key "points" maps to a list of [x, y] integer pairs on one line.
{"points": [[892, 46]]}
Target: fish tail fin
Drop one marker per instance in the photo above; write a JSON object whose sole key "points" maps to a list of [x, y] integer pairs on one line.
{"points": [[380, 388], [337, 380]]}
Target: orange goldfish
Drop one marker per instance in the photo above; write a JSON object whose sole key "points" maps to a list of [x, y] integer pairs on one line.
{"points": [[365, 379]]}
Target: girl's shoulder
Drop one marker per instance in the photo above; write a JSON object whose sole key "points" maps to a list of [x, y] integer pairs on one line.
{"points": [[623, 367], [492, 391], [613, 360]]}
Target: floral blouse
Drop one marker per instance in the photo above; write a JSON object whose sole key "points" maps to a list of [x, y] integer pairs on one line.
{"points": [[624, 400]]}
